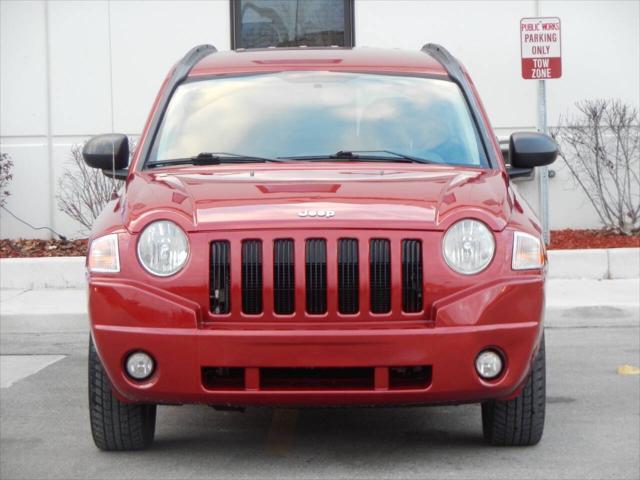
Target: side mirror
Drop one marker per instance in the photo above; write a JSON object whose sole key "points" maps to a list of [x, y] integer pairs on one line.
{"points": [[108, 152], [530, 150]]}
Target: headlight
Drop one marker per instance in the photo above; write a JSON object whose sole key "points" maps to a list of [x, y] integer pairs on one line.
{"points": [[163, 248], [468, 246], [103, 254], [527, 252]]}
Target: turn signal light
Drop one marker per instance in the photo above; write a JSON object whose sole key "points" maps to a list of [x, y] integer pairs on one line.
{"points": [[103, 254], [528, 252]]}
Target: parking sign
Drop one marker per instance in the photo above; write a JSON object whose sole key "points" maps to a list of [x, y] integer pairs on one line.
{"points": [[540, 48]]}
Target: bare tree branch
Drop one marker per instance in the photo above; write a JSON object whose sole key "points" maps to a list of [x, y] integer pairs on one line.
{"points": [[84, 191], [601, 148], [5, 176]]}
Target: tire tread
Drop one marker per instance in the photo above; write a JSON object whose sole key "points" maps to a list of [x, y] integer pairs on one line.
{"points": [[519, 421], [116, 425]]}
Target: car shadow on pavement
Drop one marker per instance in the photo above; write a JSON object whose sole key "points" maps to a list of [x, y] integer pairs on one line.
{"points": [[356, 432]]}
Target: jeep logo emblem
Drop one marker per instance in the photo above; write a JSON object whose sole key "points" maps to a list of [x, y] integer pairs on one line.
{"points": [[317, 213]]}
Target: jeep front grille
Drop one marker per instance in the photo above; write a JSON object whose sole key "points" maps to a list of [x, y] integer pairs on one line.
{"points": [[354, 276]]}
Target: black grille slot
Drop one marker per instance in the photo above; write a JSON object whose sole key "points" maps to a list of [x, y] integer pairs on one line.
{"points": [[252, 276], [284, 287], [223, 378], [220, 277], [348, 276], [380, 275], [316, 273], [412, 275], [322, 378]]}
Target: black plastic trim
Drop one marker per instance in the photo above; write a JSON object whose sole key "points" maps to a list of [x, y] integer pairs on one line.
{"points": [[179, 74], [516, 172], [456, 72], [380, 275], [120, 174], [284, 274], [252, 277], [348, 276], [316, 276], [412, 283], [220, 277]]}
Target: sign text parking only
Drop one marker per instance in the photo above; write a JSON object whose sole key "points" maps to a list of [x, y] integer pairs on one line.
{"points": [[540, 48]]}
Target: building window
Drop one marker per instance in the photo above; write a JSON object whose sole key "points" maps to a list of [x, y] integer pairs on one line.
{"points": [[290, 23]]}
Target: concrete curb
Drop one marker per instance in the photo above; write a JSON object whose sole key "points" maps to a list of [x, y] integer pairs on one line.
{"points": [[624, 262], [41, 273], [69, 272], [597, 264]]}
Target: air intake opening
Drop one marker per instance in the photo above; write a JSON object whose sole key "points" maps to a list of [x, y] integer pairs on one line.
{"points": [[341, 378], [223, 378], [252, 277], [284, 287], [316, 276], [412, 276], [348, 276], [220, 278], [380, 275], [405, 378]]}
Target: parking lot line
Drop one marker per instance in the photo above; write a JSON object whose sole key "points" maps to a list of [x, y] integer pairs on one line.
{"points": [[16, 367]]}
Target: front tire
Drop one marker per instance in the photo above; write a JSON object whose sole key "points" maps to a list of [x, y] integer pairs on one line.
{"points": [[520, 421], [116, 425]]}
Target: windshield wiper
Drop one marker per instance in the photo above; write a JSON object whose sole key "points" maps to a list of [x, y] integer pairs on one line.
{"points": [[214, 158], [363, 156]]}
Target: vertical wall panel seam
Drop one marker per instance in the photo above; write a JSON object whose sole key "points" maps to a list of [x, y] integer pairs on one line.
{"points": [[47, 56], [110, 63]]}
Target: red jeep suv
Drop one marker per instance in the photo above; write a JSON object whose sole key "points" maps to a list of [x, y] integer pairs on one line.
{"points": [[316, 227]]}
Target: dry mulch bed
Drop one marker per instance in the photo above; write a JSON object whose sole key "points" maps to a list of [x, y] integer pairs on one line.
{"points": [[42, 248], [560, 239], [572, 239]]}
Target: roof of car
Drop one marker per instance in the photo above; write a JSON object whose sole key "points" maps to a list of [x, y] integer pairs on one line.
{"points": [[327, 58]]}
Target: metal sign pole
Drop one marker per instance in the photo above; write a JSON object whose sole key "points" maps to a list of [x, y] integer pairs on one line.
{"points": [[543, 172]]}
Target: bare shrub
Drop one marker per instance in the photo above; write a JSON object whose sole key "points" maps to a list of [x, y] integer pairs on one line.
{"points": [[600, 146], [5, 176], [84, 191]]}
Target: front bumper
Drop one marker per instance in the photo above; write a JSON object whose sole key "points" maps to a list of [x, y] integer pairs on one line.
{"points": [[129, 316]]}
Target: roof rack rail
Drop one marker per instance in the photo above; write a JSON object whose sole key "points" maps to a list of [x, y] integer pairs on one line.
{"points": [[178, 75], [456, 72], [443, 55], [193, 56]]}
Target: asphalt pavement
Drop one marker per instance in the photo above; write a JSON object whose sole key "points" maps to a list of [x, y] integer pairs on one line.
{"points": [[592, 428]]}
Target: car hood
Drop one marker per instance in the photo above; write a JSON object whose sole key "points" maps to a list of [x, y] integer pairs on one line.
{"points": [[277, 196]]}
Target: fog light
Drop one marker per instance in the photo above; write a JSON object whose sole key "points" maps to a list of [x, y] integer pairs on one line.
{"points": [[139, 365], [489, 364]]}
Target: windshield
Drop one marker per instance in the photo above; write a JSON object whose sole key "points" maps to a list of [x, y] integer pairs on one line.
{"points": [[298, 114]]}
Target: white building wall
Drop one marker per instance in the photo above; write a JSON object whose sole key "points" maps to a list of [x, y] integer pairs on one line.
{"points": [[600, 59], [72, 69]]}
